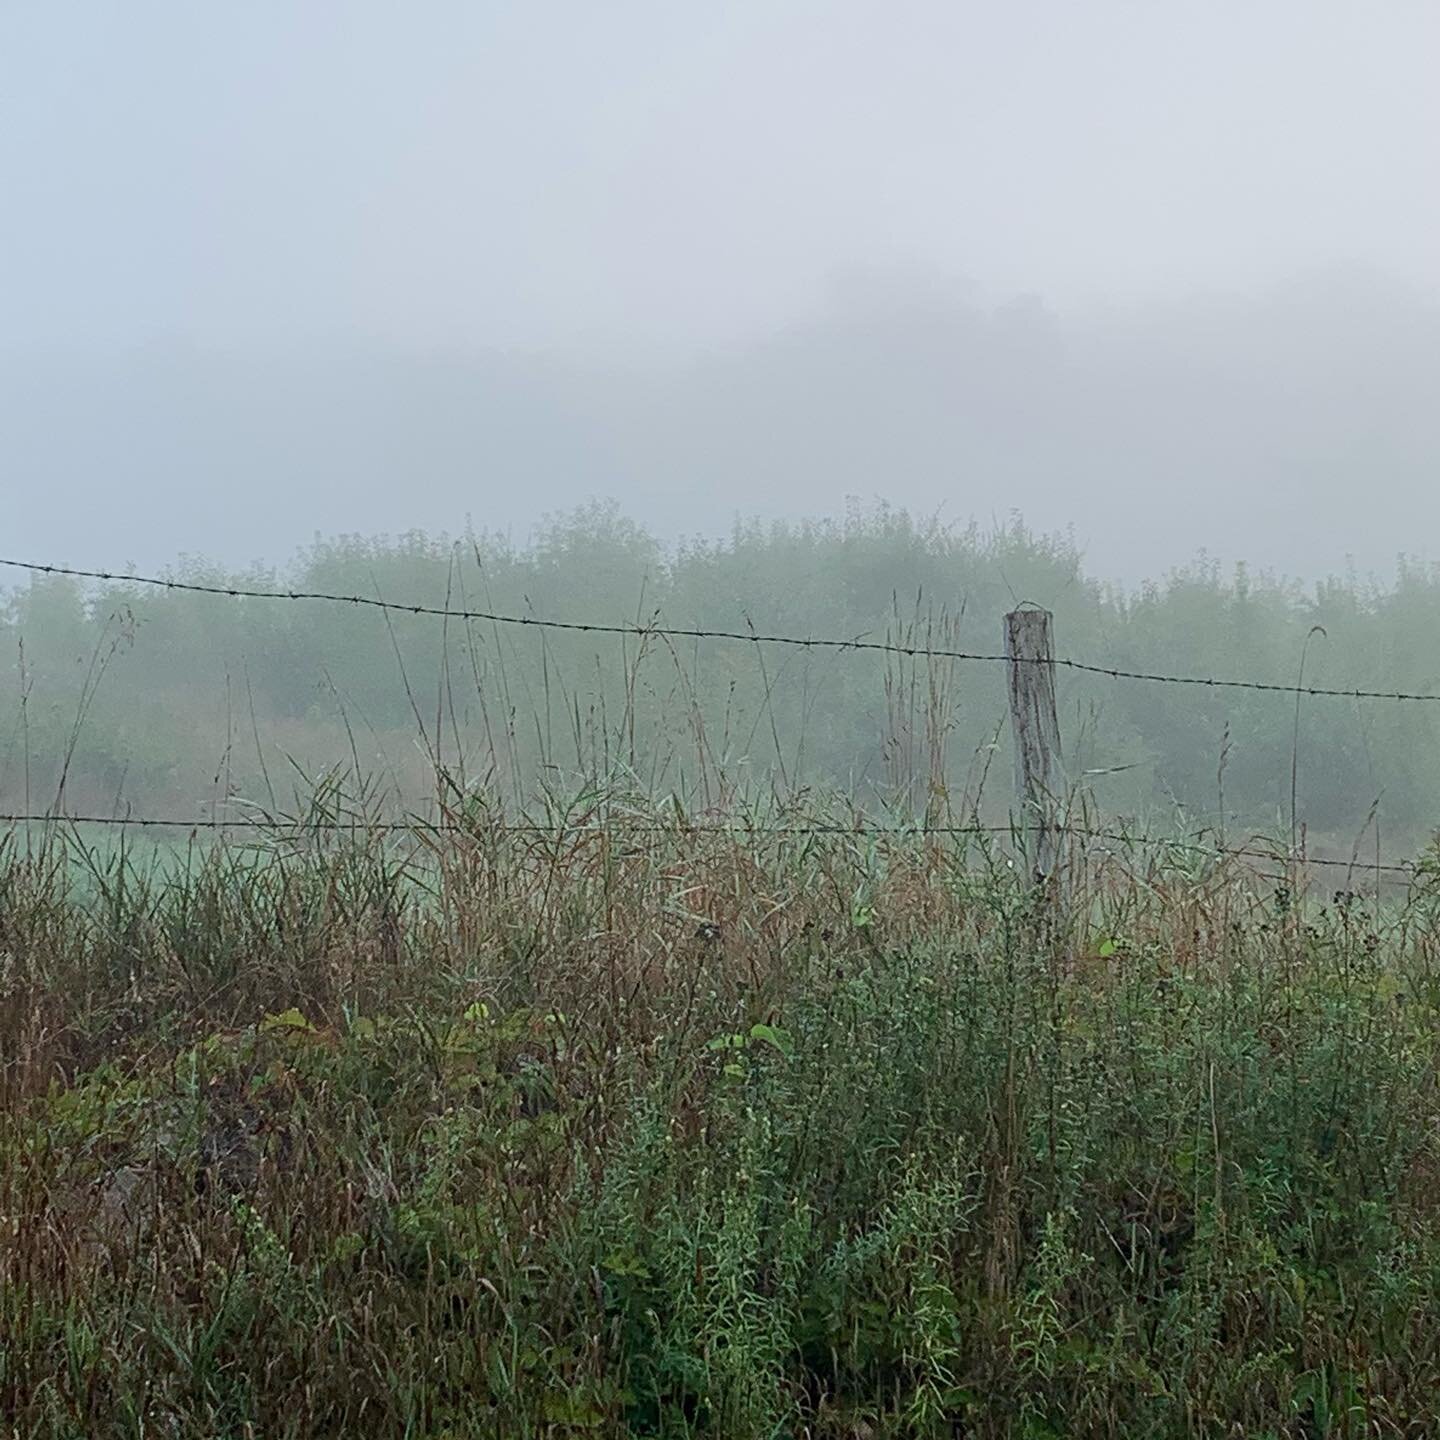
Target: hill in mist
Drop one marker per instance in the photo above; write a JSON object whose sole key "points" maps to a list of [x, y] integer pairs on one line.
{"points": [[1250, 425]]}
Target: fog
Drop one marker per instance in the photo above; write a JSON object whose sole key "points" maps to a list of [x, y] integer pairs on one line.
{"points": [[1164, 276]]}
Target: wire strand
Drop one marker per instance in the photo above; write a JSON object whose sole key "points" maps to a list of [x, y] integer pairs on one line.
{"points": [[857, 643], [739, 829]]}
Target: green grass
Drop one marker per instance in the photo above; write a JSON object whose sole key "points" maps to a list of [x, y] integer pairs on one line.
{"points": [[686, 1135]]}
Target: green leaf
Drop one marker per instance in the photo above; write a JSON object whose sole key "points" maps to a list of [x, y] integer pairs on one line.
{"points": [[290, 1019], [572, 1411], [776, 1038], [625, 1262]]}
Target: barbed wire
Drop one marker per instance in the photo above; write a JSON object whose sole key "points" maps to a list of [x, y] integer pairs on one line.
{"points": [[858, 643], [682, 828], [586, 627], [753, 637]]}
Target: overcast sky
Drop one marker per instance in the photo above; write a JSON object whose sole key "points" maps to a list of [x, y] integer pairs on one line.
{"points": [[272, 267]]}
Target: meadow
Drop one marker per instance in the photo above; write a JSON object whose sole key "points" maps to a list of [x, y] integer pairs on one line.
{"points": [[520, 1032], [624, 1126]]}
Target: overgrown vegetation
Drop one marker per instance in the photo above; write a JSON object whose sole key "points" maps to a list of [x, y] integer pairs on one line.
{"points": [[631, 1130], [632, 1087]]}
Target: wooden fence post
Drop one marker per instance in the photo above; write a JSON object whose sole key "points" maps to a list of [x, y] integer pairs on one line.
{"points": [[1036, 730]]}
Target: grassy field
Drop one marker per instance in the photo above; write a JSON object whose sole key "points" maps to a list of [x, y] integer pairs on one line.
{"points": [[630, 1132]]}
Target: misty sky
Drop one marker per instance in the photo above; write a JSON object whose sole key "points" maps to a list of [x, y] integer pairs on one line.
{"points": [[1167, 272]]}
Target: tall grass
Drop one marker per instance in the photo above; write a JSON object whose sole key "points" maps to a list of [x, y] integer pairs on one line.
{"points": [[636, 1129]]}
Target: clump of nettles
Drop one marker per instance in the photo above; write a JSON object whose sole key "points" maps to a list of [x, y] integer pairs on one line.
{"points": [[691, 1134]]}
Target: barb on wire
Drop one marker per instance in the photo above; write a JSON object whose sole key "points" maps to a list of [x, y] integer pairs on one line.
{"points": [[739, 829], [585, 627]]}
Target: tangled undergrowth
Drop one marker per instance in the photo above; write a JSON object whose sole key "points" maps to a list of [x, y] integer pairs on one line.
{"points": [[600, 1133]]}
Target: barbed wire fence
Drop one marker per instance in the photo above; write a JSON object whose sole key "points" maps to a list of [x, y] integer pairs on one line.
{"points": [[857, 643]]}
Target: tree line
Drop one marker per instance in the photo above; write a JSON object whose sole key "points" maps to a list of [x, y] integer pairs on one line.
{"points": [[123, 697]]}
